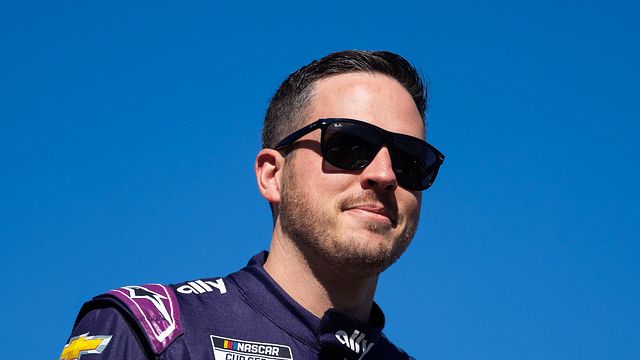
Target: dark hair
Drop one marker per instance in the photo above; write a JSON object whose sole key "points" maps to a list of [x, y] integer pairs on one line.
{"points": [[292, 99]]}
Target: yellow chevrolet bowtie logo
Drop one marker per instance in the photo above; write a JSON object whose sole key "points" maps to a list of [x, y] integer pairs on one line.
{"points": [[84, 344]]}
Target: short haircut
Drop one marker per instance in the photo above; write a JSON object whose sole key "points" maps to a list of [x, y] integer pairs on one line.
{"points": [[292, 100]]}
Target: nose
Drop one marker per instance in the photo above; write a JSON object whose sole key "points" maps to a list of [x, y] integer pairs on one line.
{"points": [[379, 173]]}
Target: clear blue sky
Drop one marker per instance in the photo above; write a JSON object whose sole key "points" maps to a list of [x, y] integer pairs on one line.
{"points": [[128, 132]]}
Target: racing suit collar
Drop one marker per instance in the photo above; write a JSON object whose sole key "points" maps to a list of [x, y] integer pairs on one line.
{"points": [[343, 336], [336, 332]]}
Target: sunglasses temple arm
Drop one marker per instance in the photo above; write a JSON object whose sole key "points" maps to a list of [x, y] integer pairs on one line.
{"points": [[296, 135]]}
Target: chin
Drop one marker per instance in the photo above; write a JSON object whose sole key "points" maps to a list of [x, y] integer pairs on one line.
{"points": [[364, 256]]}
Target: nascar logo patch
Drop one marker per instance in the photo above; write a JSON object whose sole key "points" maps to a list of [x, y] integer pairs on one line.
{"points": [[234, 349]]}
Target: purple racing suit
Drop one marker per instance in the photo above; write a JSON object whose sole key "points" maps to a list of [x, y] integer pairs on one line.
{"points": [[244, 316]]}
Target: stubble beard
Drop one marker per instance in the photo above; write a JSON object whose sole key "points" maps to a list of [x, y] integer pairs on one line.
{"points": [[318, 235]]}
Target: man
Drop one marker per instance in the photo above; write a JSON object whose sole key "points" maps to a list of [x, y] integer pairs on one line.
{"points": [[343, 166]]}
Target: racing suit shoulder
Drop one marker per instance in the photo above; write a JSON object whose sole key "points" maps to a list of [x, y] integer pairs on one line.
{"points": [[102, 331], [147, 316], [136, 322], [154, 308]]}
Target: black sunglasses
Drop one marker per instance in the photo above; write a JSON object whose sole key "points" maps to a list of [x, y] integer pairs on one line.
{"points": [[352, 145]]}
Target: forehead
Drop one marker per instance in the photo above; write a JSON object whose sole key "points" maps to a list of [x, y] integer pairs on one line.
{"points": [[373, 98]]}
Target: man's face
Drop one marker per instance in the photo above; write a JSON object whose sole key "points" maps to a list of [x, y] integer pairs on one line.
{"points": [[360, 221]]}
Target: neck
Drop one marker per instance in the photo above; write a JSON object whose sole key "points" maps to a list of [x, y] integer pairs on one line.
{"points": [[316, 285]]}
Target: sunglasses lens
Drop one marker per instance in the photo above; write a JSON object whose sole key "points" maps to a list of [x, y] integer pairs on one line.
{"points": [[350, 146], [414, 164]]}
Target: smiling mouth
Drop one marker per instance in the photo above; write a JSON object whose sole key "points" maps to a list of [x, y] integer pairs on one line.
{"points": [[376, 210]]}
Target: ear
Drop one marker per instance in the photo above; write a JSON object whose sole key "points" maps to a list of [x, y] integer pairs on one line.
{"points": [[269, 165]]}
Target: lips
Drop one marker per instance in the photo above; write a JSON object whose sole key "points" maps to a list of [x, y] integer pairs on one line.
{"points": [[377, 209]]}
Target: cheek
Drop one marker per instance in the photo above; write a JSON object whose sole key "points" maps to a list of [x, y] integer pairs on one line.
{"points": [[418, 197], [315, 185], [413, 203]]}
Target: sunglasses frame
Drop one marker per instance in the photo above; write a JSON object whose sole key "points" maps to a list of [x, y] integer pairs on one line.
{"points": [[386, 137]]}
